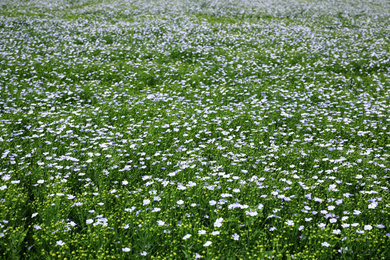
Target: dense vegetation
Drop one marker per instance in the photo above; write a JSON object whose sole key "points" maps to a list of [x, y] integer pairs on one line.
{"points": [[228, 129]]}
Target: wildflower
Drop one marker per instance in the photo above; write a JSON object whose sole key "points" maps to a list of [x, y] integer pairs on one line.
{"points": [[207, 243], [126, 249], [197, 256], [235, 236], [345, 225], [160, 223], [373, 205], [367, 227], [146, 202], [89, 221], [272, 229], [251, 213], [343, 250], [290, 223], [301, 228], [187, 236], [336, 231], [218, 222], [214, 233], [212, 202], [60, 243], [144, 253], [325, 244], [201, 232], [34, 215], [180, 202]]}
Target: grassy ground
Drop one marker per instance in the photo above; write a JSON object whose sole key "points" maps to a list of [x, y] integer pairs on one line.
{"points": [[194, 129]]}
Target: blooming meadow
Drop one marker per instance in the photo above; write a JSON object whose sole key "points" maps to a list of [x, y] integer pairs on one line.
{"points": [[231, 129]]}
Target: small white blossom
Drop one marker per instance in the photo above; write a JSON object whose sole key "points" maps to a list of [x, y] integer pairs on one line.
{"points": [[187, 236], [207, 243], [235, 236]]}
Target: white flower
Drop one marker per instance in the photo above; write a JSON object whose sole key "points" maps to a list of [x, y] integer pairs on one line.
{"points": [[235, 236], [272, 229], [34, 214], [60, 243], [89, 221], [325, 244], [236, 190], [180, 202], [160, 222], [202, 232], [356, 212], [214, 233], [301, 228], [333, 220], [187, 236], [207, 243], [373, 205], [260, 206], [146, 202], [40, 181], [322, 225], [289, 223], [308, 219], [343, 250], [212, 202], [125, 183], [345, 225], [126, 249], [218, 222], [367, 227], [251, 213], [336, 231], [144, 253]]}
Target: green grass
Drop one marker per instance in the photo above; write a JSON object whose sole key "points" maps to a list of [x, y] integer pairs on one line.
{"points": [[194, 129]]}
